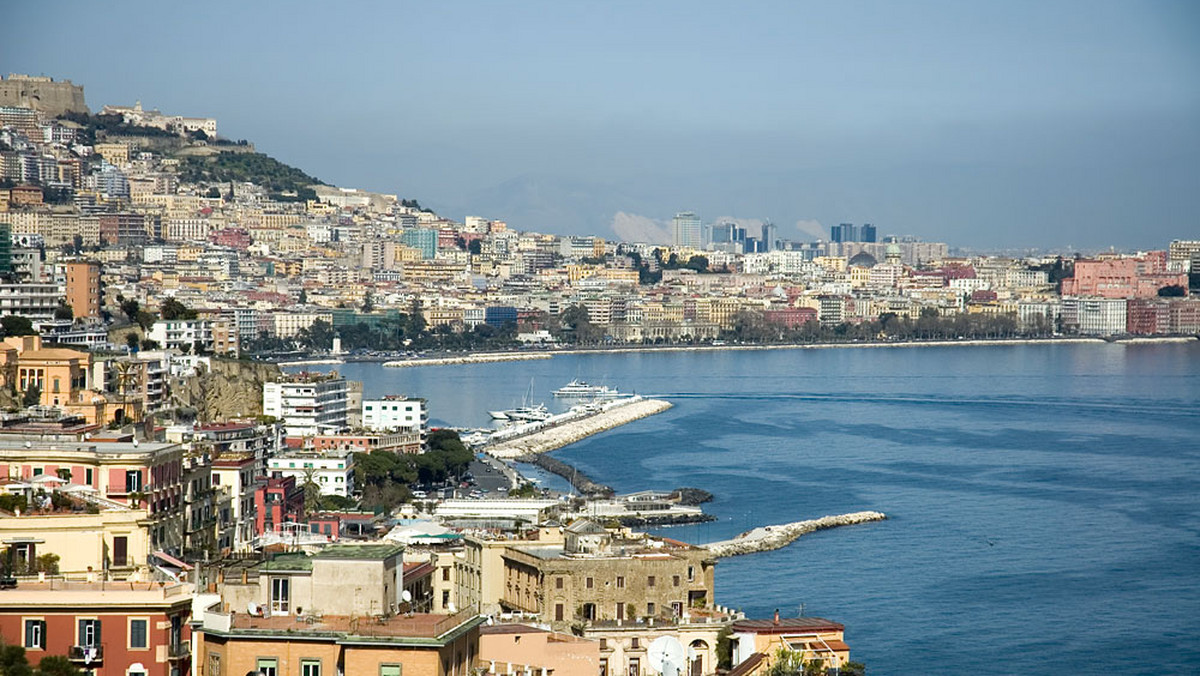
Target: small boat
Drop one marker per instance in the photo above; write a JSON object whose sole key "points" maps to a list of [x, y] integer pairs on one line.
{"points": [[579, 389]]}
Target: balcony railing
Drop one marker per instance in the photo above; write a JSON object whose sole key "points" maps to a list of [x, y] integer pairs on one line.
{"points": [[88, 654], [180, 650]]}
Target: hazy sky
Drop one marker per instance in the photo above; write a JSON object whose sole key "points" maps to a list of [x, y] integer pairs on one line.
{"points": [[985, 124]]}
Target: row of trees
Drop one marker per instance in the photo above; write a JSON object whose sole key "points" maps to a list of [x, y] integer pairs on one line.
{"points": [[386, 477], [750, 327]]}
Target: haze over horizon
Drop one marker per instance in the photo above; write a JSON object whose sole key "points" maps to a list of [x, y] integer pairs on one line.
{"points": [[1022, 124]]}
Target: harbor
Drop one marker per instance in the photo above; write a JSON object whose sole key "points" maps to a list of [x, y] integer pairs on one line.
{"points": [[580, 422], [767, 538]]}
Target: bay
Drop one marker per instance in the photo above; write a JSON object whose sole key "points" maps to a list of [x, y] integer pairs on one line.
{"points": [[1044, 498]]}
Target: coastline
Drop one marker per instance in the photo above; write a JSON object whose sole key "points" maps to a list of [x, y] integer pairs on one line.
{"points": [[474, 358]]}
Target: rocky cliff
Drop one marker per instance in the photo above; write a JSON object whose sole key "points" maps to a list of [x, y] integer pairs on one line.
{"points": [[231, 388]]}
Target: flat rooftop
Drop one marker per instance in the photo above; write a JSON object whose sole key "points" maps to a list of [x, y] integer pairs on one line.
{"points": [[418, 625]]}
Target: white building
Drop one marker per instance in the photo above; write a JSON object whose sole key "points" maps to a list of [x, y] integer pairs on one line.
{"points": [[333, 471], [1094, 316], [394, 412], [190, 335], [307, 405]]}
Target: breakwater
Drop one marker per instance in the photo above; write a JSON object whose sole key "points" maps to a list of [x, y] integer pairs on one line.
{"points": [[468, 359], [582, 482], [551, 435], [766, 538]]}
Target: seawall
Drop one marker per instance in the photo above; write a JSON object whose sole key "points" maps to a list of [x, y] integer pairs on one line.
{"points": [[766, 538], [557, 436], [482, 358]]}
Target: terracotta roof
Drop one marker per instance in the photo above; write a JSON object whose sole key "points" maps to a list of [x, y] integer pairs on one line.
{"points": [[787, 625], [511, 629], [52, 353], [748, 666]]}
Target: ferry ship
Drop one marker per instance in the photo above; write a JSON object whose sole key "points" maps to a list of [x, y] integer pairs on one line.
{"points": [[579, 389]]}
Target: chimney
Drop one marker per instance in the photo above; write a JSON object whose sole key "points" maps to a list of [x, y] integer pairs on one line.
{"points": [[776, 616]]}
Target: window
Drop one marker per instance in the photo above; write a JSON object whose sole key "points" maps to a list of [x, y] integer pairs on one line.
{"points": [[650, 609], [393, 670], [603, 666], [589, 611], [691, 573], [268, 666], [310, 668], [588, 583], [635, 643], [35, 634], [133, 481], [137, 633], [89, 633], [558, 612], [120, 555], [88, 476], [677, 608], [280, 594], [446, 574], [620, 582], [214, 664], [445, 598], [558, 583], [650, 581], [635, 667], [675, 580], [620, 610]]}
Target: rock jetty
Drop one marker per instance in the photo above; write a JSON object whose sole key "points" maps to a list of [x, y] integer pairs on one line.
{"points": [[556, 436], [468, 359], [766, 538]]}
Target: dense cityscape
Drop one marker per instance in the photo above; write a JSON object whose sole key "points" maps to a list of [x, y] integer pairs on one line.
{"points": [[181, 496]]}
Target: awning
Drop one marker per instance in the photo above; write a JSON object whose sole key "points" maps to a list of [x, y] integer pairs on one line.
{"points": [[172, 560]]}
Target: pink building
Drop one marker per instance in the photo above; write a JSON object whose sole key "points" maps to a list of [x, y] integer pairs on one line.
{"points": [[1127, 277]]}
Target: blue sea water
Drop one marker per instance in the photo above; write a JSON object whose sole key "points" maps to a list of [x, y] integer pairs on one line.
{"points": [[1044, 499]]}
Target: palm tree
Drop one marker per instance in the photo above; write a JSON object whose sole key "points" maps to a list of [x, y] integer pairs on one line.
{"points": [[126, 377]]}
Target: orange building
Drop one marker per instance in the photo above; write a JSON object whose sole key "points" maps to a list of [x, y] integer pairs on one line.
{"points": [[522, 646], [62, 377], [757, 643], [83, 288]]}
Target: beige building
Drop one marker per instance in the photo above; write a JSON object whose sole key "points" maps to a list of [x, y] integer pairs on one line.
{"points": [[342, 579], [596, 575], [115, 540]]}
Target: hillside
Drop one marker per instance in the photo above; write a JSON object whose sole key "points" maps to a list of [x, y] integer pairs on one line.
{"points": [[279, 179]]}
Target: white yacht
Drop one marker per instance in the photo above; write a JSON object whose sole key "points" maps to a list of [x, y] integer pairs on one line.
{"points": [[579, 389]]}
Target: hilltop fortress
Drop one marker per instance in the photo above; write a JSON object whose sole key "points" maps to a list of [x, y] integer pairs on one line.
{"points": [[44, 94]]}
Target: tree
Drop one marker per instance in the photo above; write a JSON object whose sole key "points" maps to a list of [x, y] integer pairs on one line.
{"points": [[32, 396], [1172, 291], [173, 309], [145, 319], [368, 304], [16, 325], [129, 307], [149, 344], [131, 341], [312, 490], [13, 661], [475, 247], [57, 665], [63, 311]]}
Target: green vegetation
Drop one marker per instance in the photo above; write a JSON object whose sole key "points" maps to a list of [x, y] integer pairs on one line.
{"points": [[173, 309], [16, 325], [386, 476], [792, 663], [14, 662], [395, 332], [110, 125], [283, 182], [750, 327]]}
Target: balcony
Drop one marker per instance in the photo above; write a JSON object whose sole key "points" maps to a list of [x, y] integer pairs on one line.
{"points": [[180, 650], [86, 654]]}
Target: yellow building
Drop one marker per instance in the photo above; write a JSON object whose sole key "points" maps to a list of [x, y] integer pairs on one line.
{"points": [[115, 539]]}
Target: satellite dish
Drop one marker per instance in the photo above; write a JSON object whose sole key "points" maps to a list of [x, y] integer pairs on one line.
{"points": [[252, 607], [406, 596], [450, 607], [28, 444], [666, 655]]}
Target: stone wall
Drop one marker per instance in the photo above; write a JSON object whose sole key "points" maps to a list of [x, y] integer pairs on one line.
{"points": [[42, 93]]}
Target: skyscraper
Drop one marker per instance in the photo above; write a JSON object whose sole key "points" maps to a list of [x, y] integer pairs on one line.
{"points": [[687, 231], [844, 232], [868, 232], [770, 236]]}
